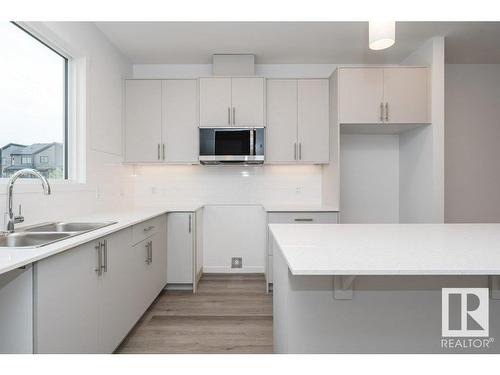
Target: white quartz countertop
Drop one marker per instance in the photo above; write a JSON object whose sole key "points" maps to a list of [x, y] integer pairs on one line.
{"points": [[389, 249], [300, 208], [12, 258]]}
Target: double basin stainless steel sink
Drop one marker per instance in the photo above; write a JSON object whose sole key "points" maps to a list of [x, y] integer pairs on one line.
{"points": [[47, 233]]}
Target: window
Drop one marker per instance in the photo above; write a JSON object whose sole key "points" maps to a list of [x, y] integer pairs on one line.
{"points": [[33, 102], [26, 160]]}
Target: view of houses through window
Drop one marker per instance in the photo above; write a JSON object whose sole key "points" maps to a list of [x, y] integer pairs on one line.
{"points": [[32, 105]]}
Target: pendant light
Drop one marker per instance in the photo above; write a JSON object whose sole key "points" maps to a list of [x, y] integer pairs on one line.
{"points": [[382, 34]]}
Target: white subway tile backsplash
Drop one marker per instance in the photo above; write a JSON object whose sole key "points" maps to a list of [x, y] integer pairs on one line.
{"points": [[172, 184]]}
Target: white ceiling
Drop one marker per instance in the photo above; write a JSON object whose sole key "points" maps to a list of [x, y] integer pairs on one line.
{"points": [[296, 42]]}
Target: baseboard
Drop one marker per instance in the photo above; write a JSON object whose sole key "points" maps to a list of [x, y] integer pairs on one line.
{"points": [[179, 287], [198, 275], [233, 270]]}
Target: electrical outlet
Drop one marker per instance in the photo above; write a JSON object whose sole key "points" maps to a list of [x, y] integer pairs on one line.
{"points": [[236, 262]]}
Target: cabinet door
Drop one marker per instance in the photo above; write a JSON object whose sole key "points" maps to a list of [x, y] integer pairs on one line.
{"points": [[142, 120], [360, 95], [247, 101], [281, 131], [180, 247], [405, 92], [215, 102], [16, 311], [66, 302], [115, 300], [161, 255], [158, 261], [141, 271], [180, 129], [313, 124]]}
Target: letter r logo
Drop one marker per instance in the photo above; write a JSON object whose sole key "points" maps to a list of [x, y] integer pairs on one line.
{"points": [[465, 312]]}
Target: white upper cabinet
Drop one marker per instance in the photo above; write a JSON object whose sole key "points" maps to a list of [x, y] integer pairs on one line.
{"points": [[248, 101], [405, 95], [297, 121], [215, 102], [281, 131], [142, 120], [228, 101], [394, 95], [180, 130], [313, 123], [361, 95], [161, 121]]}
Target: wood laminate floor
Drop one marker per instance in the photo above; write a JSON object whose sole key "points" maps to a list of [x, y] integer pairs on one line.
{"points": [[228, 314]]}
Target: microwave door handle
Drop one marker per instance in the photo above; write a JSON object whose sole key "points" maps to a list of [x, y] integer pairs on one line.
{"points": [[252, 141]]}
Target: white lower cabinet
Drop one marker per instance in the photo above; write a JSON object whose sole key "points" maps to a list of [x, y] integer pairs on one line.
{"points": [[180, 247], [150, 262], [114, 297], [67, 302], [88, 298], [16, 311]]}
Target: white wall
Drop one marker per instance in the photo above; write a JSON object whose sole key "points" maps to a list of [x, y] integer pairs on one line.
{"points": [[422, 150], [369, 178], [164, 71], [472, 143], [108, 184], [234, 231]]}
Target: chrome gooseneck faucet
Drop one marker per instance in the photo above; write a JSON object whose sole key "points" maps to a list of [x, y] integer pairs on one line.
{"points": [[15, 219]]}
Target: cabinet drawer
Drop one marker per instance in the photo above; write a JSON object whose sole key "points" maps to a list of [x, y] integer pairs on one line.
{"points": [[303, 218], [146, 229], [298, 217]]}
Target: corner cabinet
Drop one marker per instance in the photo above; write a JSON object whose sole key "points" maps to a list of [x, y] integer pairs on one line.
{"points": [[161, 121], [297, 121], [231, 101], [393, 95]]}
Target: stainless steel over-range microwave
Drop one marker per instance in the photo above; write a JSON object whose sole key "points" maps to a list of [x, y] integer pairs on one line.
{"points": [[231, 145]]}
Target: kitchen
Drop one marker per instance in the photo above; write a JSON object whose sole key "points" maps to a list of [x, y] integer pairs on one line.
{"points": [[218, 199]]}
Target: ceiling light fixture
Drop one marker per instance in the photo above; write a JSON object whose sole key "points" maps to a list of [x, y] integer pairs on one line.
{"points": [[382, 34]]}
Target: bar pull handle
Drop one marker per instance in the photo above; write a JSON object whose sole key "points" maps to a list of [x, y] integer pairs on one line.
{"points": [[147, 229], [158, 151], [295, 151], [163, 150], [386, 111], [300, 150], [104, 246], [147, 253], [99, 259], [303, 219], [150, 252], [381, 111], [234, 116], [189, 228], [229, 115]]}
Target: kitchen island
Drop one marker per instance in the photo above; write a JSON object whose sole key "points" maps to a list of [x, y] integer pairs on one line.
{"points": [[376, 288]]}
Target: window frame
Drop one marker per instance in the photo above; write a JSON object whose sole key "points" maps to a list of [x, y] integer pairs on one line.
{"points": [[26, 159], [66, 60]]}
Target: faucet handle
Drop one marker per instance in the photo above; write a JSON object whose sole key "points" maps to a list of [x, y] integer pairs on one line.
{"points": [[19, 218]]}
